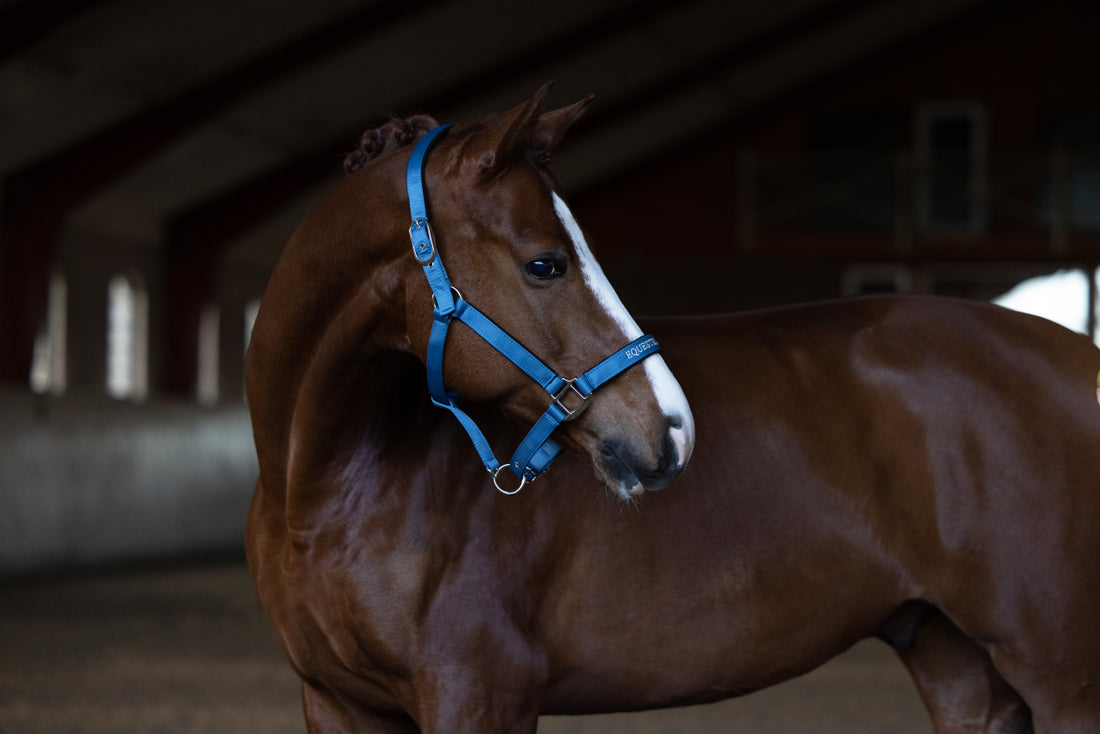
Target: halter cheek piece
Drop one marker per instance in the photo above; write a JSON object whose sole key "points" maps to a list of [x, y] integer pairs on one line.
{"points": [[537, 451]]}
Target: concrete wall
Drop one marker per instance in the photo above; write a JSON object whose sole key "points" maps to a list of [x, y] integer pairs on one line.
{"points": [[90, 481], [86, 480]]}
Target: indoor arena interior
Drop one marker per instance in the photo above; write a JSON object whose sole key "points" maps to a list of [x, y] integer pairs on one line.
{"points": [[155, 158]]}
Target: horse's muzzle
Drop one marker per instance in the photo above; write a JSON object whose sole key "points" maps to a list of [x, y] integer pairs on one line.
{"points": [[633, 471]]}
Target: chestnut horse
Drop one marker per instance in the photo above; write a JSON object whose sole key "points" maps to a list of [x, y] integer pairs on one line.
{"points": [[917, 469]]}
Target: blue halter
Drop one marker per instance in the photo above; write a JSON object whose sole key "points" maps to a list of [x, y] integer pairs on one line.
{"points": [[537, 451]]}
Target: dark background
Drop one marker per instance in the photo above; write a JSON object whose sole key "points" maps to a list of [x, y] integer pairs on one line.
{"points": [[738, 154]]}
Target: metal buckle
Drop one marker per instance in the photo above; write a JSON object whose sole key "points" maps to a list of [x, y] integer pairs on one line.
{"points": [[557, 397], [423, 251], [502, 490]]}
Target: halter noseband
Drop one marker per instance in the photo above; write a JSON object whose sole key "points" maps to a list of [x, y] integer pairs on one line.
{"points": [[537, 451]]}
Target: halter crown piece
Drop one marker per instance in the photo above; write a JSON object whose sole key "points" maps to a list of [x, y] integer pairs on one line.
{"points": [[537, 451]]}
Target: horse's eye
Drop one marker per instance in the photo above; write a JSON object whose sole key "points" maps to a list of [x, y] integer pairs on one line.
{"points": [[545, 268]]}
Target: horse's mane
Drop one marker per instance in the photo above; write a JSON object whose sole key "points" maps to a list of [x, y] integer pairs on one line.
{"points": [[397, 133]]}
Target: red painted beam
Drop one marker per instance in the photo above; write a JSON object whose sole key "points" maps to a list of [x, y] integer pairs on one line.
{"points": [[24, 282], [789, 99], [196, 241]]}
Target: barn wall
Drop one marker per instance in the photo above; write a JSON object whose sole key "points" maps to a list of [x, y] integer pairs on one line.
{"points": [[1026, 68], [89, 481]]}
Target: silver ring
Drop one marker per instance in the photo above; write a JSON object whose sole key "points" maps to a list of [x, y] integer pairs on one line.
{"points": [[458, 297], [502, 490]]}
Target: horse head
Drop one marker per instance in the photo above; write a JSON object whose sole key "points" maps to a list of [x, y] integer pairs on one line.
{"points": [[513, 249]]}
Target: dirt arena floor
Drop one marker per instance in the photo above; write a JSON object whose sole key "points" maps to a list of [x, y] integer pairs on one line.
{"points": [[188, 650]]}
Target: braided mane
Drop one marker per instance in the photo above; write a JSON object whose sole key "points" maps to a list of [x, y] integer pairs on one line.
{"points": [[396, 133]]}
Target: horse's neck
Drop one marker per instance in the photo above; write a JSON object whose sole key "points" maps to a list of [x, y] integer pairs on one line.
{"points": [[333, 308], [350, 414], [319, 383]]}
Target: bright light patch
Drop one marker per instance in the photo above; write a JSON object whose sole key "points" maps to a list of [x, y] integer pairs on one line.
{"points": [[127, 338], [1062, 297]]}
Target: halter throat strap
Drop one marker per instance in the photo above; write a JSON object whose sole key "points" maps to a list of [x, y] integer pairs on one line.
{"points": [[537, 450]]}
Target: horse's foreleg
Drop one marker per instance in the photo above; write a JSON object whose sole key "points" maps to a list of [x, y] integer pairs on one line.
{"points": [[962, 690], [453, 700], [327, 715]]}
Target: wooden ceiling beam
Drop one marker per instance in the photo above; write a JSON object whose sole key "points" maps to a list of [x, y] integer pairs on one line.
{"points": [[706, 69], [197, 236], [42, 193], [106, 154], [217, 220], [23, 24]]}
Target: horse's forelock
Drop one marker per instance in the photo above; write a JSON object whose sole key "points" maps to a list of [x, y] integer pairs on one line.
{"points": [[396, 133]]}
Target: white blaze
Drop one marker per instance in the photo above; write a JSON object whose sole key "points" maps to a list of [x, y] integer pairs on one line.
{"points": [[665, 387]]}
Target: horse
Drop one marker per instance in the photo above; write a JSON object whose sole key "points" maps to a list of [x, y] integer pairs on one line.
{"points": [[726, 513]]}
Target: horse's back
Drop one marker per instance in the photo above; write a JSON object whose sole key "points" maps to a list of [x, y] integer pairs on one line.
{"points": [[944, 360], [942, 397]]}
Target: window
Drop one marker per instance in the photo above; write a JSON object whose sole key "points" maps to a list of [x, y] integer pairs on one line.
{"points": [[951, 150], [48, 364], [853, 166], [1062, 297], [1069, 197], [208, 387], [127, 338]]}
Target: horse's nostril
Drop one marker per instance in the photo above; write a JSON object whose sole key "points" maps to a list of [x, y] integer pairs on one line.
{"points": [[670, 456], [648, 472], [618, 461]]}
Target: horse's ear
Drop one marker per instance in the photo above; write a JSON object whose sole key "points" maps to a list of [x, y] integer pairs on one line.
{"points": [[509, 134], [552, 126]]}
